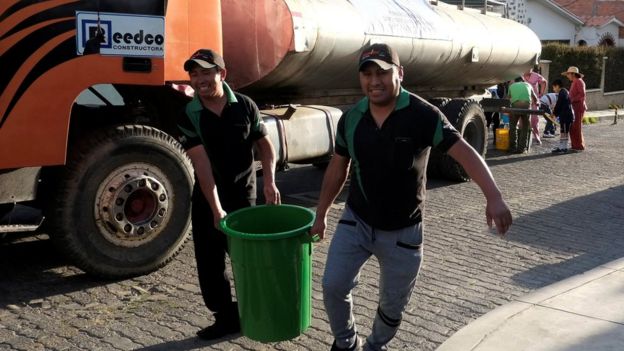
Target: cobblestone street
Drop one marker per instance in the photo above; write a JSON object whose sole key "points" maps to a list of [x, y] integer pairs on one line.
{"points": [[568, 218]]}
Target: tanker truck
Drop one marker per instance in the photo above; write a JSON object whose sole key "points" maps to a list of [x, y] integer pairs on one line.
{"points": [[89, 91]]}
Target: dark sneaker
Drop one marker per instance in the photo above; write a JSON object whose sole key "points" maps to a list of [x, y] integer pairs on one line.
{"points": [[356, 347], [223, 326], [559, 150]]}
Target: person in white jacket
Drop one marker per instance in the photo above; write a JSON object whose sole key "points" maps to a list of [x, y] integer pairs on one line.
{"points": [[547, 103]]}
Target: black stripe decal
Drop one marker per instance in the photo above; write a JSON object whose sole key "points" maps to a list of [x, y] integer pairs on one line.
{"points": [[16, 7], [58, 12], [12, 59], [141, 7], [20, 52]]}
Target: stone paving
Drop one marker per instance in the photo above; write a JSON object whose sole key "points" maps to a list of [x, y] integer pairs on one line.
{"points": [[568, 218]]}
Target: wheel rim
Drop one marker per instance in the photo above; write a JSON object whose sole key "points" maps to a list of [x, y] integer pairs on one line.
{"points": [[472, 136], [133, 205]]}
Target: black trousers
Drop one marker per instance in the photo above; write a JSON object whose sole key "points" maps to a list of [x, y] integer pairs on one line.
{"points": [[210, 249]]}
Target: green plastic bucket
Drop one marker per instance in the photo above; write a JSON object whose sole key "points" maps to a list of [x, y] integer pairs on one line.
{"points": [[271, 252]]}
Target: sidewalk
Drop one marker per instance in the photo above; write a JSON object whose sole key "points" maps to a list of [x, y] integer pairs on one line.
{"points": [[607, 115], [584, 312], [581, 313]]}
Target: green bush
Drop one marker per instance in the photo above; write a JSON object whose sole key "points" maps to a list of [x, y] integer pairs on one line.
{"points": [[587, 58], [614, 75]]}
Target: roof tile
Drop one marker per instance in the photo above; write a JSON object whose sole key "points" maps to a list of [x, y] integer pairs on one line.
{"points": [[603, 8]]}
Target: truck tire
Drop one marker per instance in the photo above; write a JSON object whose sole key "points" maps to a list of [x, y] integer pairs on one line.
{"points": [[468, 118], [439, 102], [122, 206]]}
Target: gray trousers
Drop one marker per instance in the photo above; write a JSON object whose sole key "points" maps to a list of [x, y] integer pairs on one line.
{"points": [[399, 253]]}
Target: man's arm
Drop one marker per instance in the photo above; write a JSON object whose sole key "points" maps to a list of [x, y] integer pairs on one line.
{"points": [[543, 84], [496, 209], [333, 182], [203, 170], [534, 98], [267, 158]]}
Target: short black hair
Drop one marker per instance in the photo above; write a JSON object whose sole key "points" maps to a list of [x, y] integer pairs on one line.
{"points": [[557, 82], [519, 79]]}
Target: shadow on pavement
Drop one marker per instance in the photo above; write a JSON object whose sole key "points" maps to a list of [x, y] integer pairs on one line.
{"points": [[33, 269], [562, 229], [186, 344]]}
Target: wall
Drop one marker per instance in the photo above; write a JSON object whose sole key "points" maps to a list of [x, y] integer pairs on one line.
{"points": [[548, 24], [596, 99], [592, 35]]}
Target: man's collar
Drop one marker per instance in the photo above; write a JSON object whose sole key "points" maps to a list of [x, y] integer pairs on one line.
{"points": [[231, 98], [196, 105], [402, 102]]}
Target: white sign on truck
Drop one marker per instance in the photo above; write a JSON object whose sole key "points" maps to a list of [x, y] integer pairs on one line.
{"points": [[121, 34]]}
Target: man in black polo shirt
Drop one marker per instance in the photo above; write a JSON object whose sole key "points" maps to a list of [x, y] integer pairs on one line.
{"points": [[218, 132], [386, 137]]}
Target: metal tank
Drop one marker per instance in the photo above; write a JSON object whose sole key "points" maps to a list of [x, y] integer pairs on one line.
{"points": [[309, 48], [302, 134]]}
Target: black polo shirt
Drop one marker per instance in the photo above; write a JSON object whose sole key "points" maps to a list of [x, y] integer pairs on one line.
{"points": [[388, 181], [228, 141]]}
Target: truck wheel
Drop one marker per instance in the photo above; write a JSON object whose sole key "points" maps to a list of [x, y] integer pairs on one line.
{"points": [[123, 204], [439, 102], [468, 118]]}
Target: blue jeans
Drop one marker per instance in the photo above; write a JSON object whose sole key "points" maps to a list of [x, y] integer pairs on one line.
{"points": [[399, 253]]}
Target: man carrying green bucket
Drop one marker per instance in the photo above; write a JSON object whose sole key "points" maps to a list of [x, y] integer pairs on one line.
{"points": [[386, 137], [218, 131]]}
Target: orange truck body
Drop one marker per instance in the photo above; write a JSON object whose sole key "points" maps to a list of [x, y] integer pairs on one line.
{"points": [[104, 176], [88, 101], [35, 104]]}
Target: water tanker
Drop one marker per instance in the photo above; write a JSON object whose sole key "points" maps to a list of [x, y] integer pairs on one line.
{"points": [[87, 109], [302, 51], [310, 48]]}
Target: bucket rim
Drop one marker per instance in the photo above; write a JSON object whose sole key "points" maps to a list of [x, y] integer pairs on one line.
{"points": [[266, 236]]}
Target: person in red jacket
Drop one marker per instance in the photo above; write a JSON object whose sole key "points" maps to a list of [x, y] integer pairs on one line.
{"points": [[577, 96]]}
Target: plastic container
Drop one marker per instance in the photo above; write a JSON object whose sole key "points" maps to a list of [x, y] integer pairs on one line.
{"points": [[505, 119], [271, 254], [502, 139]]}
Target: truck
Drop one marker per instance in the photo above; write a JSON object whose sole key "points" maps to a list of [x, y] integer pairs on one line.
{"points": [[89, 91]]}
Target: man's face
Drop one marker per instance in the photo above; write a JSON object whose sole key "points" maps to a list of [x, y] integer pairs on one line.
{"points": [[556, 88], [207, 81], [379, 85]]}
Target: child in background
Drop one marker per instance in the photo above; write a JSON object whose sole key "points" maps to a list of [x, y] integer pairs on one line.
{"points": [[563, 110], [547, 104]]}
